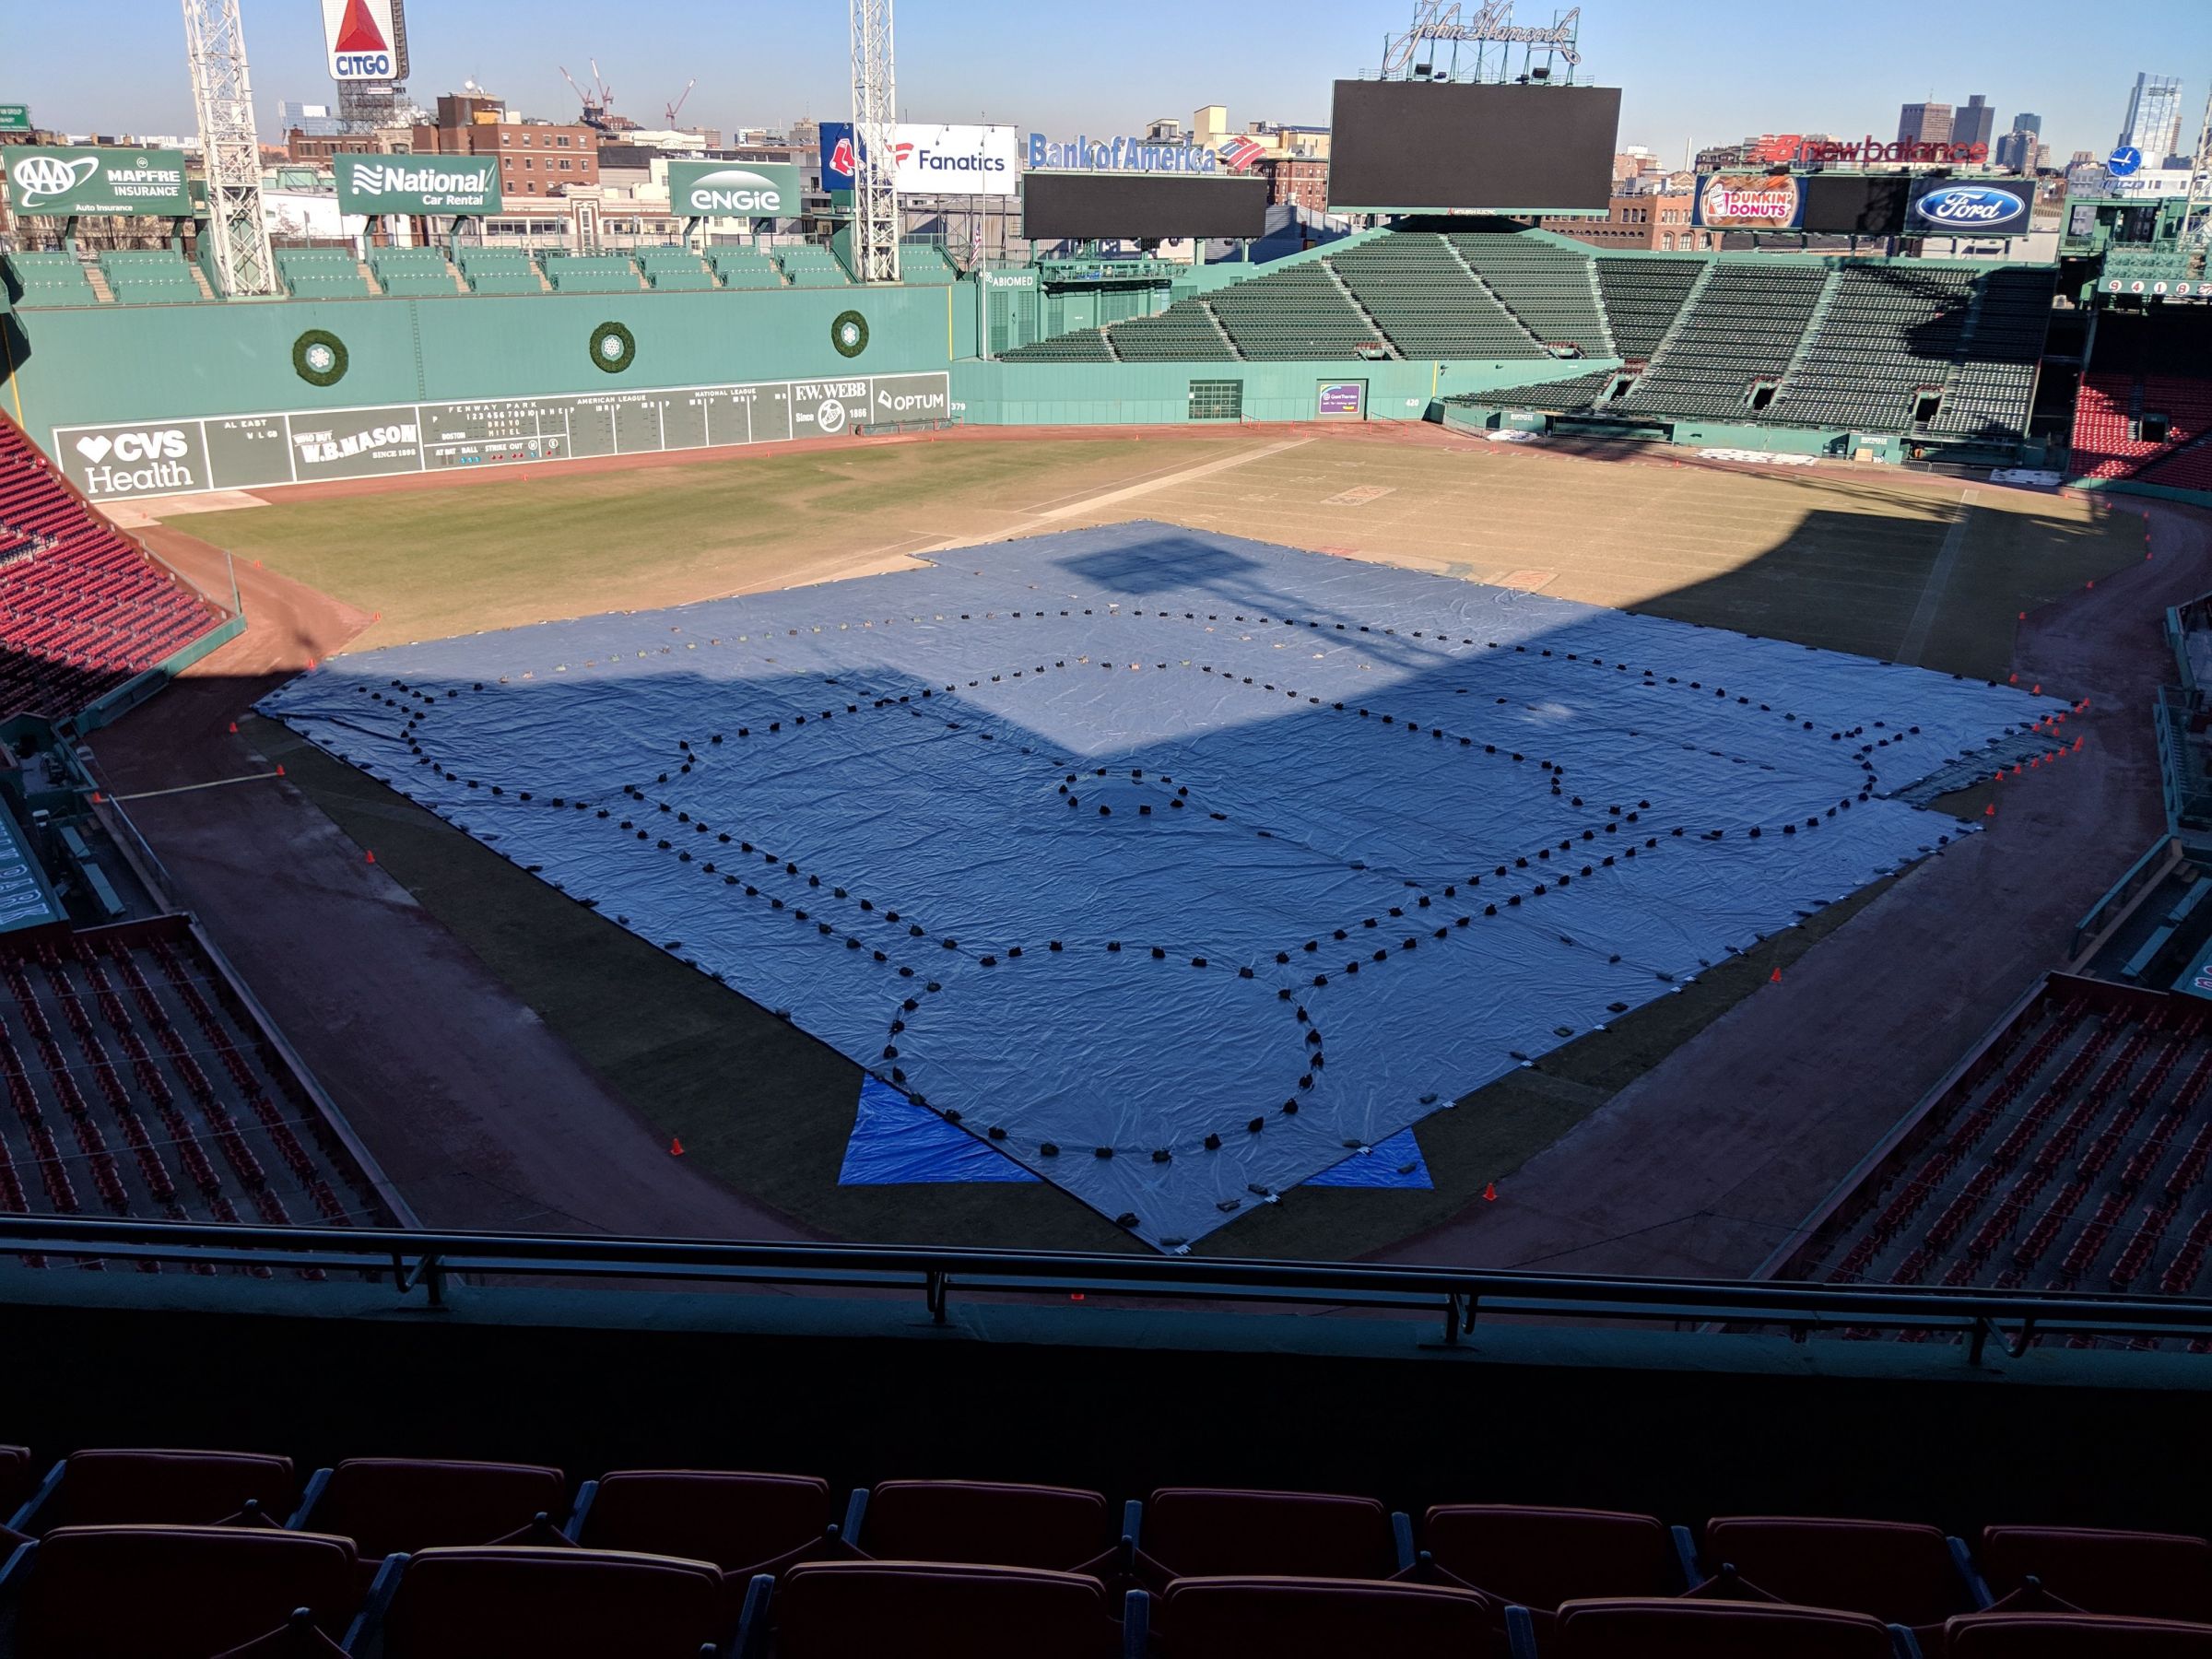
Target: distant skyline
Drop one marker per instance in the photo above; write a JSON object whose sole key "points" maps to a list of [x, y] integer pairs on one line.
{"points": [[1691, 74]]}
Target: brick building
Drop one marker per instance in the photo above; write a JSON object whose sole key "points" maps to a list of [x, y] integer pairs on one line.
{"points": [[1302, 179], [1658, 221]]}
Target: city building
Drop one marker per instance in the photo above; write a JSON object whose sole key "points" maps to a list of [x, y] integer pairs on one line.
{"points": [[2153, 124], [1300, 180], [1658, 220], [1974, 122], [317, 121], [2020, 148], [1925, 123]]}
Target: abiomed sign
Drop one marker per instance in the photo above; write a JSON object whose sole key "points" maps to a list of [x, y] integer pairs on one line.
{"points": [[307, 446], [415, 184], [56, 181], [733, 189]]}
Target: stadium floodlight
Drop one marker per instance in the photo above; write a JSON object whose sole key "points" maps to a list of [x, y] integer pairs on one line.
{"points": [[875, 137], [230, 147]]}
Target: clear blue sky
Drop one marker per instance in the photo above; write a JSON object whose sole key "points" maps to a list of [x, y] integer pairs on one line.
{"points": [[1705, 72]]}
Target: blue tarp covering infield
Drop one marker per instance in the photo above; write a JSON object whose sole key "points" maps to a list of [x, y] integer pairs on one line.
{"points": [[1189, 863]]}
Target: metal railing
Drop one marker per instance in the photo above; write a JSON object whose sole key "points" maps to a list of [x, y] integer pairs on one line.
{"points": [[423, 1264]]}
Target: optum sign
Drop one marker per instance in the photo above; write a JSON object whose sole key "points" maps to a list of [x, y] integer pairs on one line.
{"points": [[733, 189]]}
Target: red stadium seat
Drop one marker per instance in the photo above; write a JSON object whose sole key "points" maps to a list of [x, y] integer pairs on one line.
{"points": [[939, 1610], [1539, 1558], [179, 1592], [1323, 1619], [743, 1524], [989, 1523], [389, 1504], [2140, 1575], [478, 1603], [1207, 1531], [1895, 1572], [2072, 1636], [1634, 1629], [161, 1487]]}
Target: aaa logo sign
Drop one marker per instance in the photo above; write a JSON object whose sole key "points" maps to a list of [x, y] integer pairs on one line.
{"points": [[58, 180]]}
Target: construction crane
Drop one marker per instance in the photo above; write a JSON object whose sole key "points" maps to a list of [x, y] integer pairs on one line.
{"points": [[598, 104], [672, 111]]}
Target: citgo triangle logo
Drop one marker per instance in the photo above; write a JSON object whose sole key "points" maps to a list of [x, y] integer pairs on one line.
{"points": [[358, 30]]}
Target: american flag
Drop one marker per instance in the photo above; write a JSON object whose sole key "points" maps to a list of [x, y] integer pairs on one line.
{"points": [[1239, 153]]}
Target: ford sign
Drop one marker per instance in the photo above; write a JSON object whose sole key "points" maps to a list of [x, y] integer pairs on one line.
{"points": [[1971, 209]]}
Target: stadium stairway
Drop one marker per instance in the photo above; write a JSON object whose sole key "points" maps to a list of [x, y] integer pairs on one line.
{"points": [[125, 1552]]}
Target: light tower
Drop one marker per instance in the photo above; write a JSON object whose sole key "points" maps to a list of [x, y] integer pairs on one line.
{"points": [[875, 164], [229, 147]]}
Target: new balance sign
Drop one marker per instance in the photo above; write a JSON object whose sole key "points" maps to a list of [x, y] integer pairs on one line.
{"points": [[414, 184], [54, 181], [733, 189]]}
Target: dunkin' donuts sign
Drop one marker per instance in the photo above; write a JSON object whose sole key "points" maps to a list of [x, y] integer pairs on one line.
{"points": [[1748, 202]]}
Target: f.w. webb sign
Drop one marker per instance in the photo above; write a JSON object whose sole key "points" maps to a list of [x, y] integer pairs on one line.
{"points": [[414, 184]]}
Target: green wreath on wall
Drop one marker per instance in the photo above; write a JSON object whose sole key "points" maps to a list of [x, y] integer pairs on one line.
{"points": [[319, 358], [613, 347], [849, 334]]}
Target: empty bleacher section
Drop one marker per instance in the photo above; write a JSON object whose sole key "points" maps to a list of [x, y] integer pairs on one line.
{"points": [[414, 1558], [1644, 297], [1084, 346], [745, 268], [501, 271], [812, 265], [2144, 410], [141, 1085], [1293, 313], [82, 608], [1742, 329], [1884, 343], [414, 273], [1545, 284], [2070, 1153], [1579, 394], [1423, 298], [589, 273], [47, 278], [675, 270], [321, 274], [150, 276], [926, 265], [1993, 383], [1185, 331]]}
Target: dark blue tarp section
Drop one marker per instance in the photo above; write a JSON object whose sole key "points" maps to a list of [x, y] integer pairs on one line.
{"points": [[1392, 1162], [898, 1143], [1191, 862]]}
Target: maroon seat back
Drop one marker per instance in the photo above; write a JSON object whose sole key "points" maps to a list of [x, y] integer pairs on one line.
{"points": [[1322, 1618], [181, 1591], [2144, 1575], [1633, 1629], [392, 1503], [736, 1521], [1539, 1557], [940, 1610], [1201, 1532], [1898, 1572], [155, 1487], [474, 1601], [982, 1521], [2072, 1636]]}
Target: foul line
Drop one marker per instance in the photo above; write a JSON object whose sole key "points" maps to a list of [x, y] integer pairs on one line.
{"points": [[148, 795], [1129, 492], [1940, 578]]}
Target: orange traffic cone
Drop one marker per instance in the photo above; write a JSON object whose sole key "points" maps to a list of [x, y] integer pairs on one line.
{"points": [[368, 857], [675, 1146], [1990, 810], [1774, 978], [1490, 1192]]}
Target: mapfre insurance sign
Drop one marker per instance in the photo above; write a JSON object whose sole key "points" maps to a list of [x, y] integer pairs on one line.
{"points": [[363, 44]]}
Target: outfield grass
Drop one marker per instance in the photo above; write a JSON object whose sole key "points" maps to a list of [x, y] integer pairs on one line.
{"points": [[1890, 565]]}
